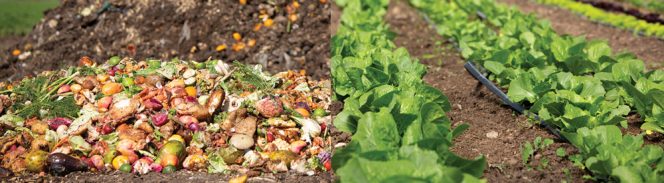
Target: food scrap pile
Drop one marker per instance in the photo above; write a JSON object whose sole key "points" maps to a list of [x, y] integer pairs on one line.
{"points": [[154, 116]]}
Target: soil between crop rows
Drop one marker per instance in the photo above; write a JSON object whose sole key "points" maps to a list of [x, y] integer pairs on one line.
{"points": [[187, 29], [475, 105]]}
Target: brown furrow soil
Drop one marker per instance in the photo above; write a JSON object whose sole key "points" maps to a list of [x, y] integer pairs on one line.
{"points": [[336, 19], [475, 105], [184, 29], [649, 49]]}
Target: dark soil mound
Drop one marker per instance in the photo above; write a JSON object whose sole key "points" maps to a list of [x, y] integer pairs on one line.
{"points": [[185, 29]]}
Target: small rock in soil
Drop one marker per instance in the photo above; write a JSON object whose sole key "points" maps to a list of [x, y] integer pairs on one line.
{"points": [[492, 134], [512, 161]]}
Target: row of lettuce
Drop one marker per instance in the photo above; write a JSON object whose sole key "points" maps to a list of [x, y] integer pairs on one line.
{"points": [[400, 130], [619, 20], [579, 86]]}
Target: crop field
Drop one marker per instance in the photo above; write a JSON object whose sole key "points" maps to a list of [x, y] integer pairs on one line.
{"points": [[336, 91], [591, 113]]}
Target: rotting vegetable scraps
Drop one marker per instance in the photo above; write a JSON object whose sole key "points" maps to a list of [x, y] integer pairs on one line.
{"points": [[153, 116]]}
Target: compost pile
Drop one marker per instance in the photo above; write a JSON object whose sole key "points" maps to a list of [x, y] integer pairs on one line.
{"points": [[277, 34], [154, 116]]}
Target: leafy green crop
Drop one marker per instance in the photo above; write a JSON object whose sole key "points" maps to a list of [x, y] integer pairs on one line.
{"points": [[528, 149], [575, 84], [400, 130], [615, 19]]}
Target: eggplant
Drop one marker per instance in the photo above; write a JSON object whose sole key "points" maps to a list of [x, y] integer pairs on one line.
{"points": [[60, 164]]}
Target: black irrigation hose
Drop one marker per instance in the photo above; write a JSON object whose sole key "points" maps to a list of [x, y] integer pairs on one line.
{"points": [[470, 67]]}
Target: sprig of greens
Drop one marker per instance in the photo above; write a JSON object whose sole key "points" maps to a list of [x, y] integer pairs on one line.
{"points": [[35, 97]]}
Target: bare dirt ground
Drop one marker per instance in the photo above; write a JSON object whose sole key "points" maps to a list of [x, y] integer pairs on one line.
{"points": [[187, 29]]}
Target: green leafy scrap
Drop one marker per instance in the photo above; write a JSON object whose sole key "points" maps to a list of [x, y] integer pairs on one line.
{"points": [[35, 97]]}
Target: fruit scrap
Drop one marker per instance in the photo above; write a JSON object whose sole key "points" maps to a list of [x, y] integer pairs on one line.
{"points": [[251, 42], [268, 22], [152, 116], [237, 36], [16, 52], [238, 46]]}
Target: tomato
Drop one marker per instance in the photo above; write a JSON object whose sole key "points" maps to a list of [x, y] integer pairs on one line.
{"points": [[328, 165]]}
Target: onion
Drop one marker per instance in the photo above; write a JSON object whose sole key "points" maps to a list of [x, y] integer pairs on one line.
{"points": [[106, 129], [153, 104], [64, 89], [297, 146], [194, 126], [56, 122], [142, 166], [188, 119], [191, 99], [270, 137], [159, 119], [156, 167], [97, 162], [112, 71], [104, 102]]}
